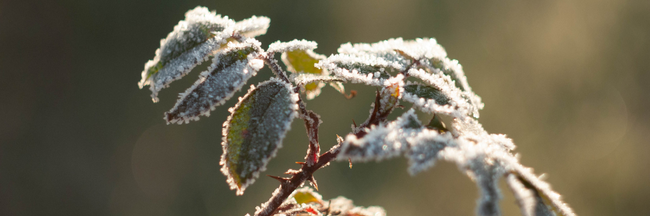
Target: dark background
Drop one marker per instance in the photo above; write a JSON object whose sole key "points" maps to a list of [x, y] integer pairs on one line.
{"points": [[568, 80]]}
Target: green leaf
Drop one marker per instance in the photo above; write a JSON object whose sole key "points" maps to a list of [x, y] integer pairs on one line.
{"points": [[302, 61], [254, 131], [427, 92], [306, 195], [228, 73]]}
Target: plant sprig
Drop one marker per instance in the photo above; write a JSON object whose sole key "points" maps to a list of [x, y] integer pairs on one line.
{"points": [[257, 124]]}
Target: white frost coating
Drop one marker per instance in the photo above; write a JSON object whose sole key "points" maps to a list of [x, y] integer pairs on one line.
{"points": [[192, 40], [457, 106], [418, 48], [270, 121], [425, 148], [346, 208], [482, 156], [404, 135], [225, 76], [253, 27], [472, 130], [280, 47], [543, 189], [367, 69], [370, 211], [529, 203], [305, 78]]}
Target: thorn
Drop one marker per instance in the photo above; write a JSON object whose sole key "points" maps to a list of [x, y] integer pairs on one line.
{"points": [[282, 180], [350, 162], [339, 139], [352, 94], [312, 181], [301, 163], [354, 123]]}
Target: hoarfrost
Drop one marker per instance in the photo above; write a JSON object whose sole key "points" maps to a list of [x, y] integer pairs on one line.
{"points": [[529, 201], [303, 79], [404, 135], [228, 73], [367, 69], [253, 27], [192, 40], [451, 100], [281, 47], [482, 156], [254, 131], [346, 208]]}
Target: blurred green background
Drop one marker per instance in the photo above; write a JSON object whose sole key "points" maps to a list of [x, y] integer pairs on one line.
{"points": [[568, 80]]}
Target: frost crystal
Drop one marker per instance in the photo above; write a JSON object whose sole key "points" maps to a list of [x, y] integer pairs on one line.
{"points": [[254, 131], [440, 95], [529, 201], [253, 27], [366, 69], [228, 73], [280, 47], [192, 40], [404, 135], [303, 79]]}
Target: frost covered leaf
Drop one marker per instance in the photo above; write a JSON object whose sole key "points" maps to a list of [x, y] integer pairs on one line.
{"points": [[486, 175], [533, 194], [426, 92], [254, 131], [439, 95], [367, 69], [299, 57], [228, 73], [381, 141], [425, 150], [253, 27], [191, 42], [406, 135], [528, 198]]}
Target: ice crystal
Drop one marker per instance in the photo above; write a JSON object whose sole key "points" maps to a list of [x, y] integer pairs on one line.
{"points": [[366, 69], [528, 199], [446, 97], [253, 27], [281, 47], [228, 73], [192, 40], [254, 131], [304, 79], [404, 135], [484, 157]]}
